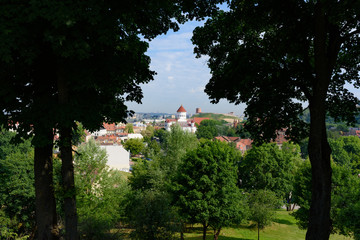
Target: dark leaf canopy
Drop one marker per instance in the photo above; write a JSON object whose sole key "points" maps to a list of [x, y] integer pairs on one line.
{"points": [[90, 50], [262, 54]]}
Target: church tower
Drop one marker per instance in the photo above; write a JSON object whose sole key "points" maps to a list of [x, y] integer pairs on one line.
{"points": [[181, 114]]}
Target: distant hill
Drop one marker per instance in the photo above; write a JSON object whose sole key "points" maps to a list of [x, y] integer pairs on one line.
{"points": [[217, 116]]}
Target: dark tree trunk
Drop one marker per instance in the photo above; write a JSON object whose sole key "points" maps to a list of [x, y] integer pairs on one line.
{"points": [[204, 230], [319, 154], [327, 42], [67, 167], [258, 232], [46, 218], [67, 171]]}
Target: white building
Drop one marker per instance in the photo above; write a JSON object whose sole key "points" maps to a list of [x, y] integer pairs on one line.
{"points": [[181, 119], [118, 157]]}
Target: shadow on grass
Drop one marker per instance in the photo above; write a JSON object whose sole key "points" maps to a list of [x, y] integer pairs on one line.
{"points": [[209, 233], [283, 221], [220, 238]]}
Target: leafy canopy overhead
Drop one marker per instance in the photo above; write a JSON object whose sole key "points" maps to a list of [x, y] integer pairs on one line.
{"points": [[89, 51], [262, 53]]}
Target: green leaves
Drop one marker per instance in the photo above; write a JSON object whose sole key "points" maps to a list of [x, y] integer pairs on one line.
{"points": [[269, 167], [205, 187]]}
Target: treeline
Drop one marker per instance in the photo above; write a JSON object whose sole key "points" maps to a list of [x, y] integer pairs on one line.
{"points": [[178, 181]]}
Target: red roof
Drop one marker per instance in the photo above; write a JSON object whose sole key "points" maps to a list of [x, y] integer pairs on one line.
{"points": [[181, 109], [246, 141], [170, 120], [109, 126]]}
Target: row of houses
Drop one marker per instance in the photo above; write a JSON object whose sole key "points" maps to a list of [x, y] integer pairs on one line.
{"points": [[244, 144]]}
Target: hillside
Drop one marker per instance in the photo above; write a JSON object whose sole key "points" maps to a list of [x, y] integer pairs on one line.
{"points": [[217, 116]]}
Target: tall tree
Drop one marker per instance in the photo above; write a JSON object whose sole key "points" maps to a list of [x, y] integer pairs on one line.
{"points": [[66, 61], [271, 168], [272, 54], [205, 189], [263, 204]]}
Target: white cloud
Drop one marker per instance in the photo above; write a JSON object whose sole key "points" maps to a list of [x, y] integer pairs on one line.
{"points": [[180, 77]]}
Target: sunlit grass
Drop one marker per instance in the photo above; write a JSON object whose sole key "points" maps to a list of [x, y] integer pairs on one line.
{"points": [[284, 228]]}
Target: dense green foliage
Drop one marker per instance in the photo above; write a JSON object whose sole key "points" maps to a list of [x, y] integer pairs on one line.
{"points": [[272, 168], [346, 152], [152, 216], [208, 129], [17, 193], [70, 61], [205, 188], [134, 145], [345, 189], [263, 204], [272, 60], [100, 192]]}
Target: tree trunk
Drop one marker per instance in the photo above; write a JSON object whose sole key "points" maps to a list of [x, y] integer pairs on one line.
{"points": [[46, 218], [217, 233], [258, 232], [67, 167], [67, 171], [319, 154], [326, 51], [204, 231]]}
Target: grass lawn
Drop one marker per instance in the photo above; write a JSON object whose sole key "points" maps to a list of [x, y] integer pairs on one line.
{"points": [[284, 228]]}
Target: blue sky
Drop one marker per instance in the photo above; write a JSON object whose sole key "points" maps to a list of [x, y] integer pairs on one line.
{"points": [[180, 79]]}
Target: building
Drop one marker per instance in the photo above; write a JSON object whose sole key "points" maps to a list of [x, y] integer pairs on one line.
{"points": [[118, 157], [242, 144], [181, 119]]}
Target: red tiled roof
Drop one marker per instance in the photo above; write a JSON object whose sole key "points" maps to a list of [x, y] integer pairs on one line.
{"points": [[170, 120], [109, 126], [181, 109], [246, 141]]}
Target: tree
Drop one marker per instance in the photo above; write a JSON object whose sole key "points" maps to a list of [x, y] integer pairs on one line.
{"points": [[268, 167], [263, 204], [100, 192], [152, 216], [63, 62], [208, 129], [134, 145], [175, 145], [266, 57], [17, 193], [346, 152], [148, 133], [344, 208], [205, 188], [129, 128]]}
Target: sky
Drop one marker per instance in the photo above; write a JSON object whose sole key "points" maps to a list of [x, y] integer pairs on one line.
{"points": [[180, 79]]}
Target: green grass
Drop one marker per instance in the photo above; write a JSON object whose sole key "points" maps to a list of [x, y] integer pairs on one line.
{"points": [[284, 228], [215, 116]]}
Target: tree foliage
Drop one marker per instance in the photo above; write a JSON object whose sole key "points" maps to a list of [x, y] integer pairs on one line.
{"points": [[263, 204], [76, 61], [346, 152], [134, 145], [272, 60], [17, 193], [208, 129], [100, 192], [152, 216], [271, 168], [205, 188], [344, 209]]}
